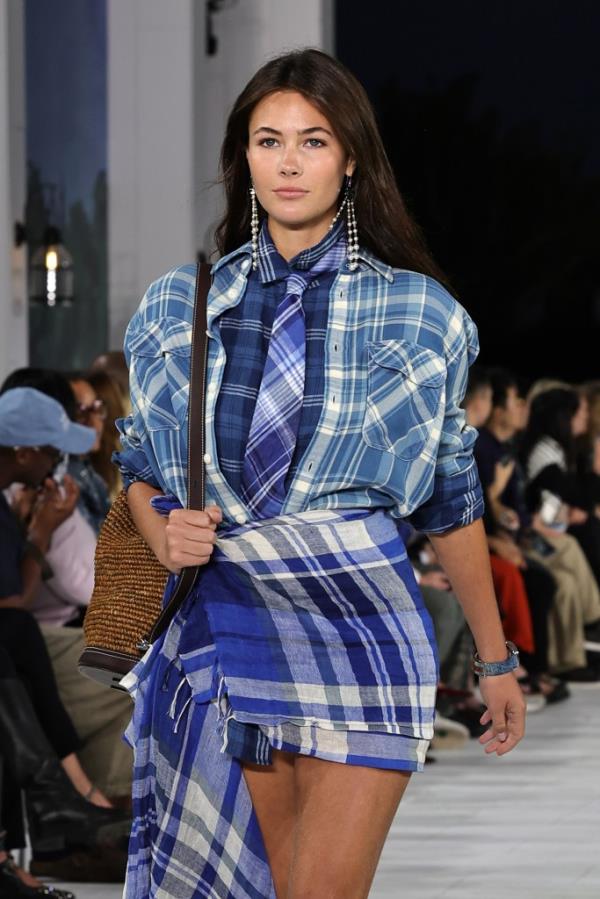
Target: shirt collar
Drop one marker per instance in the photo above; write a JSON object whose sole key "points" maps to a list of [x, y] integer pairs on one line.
{"points": [[364, 255], [273, 267]]}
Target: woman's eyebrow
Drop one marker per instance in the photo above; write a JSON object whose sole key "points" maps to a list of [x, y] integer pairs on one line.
{"points": [[304, 130]]}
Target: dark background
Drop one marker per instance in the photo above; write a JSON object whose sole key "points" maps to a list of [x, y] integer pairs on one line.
{"points": [[490, 115], [66, 104]]}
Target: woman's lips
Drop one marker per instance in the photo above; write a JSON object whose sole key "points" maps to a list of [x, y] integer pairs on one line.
{"points": [[290, 193]]}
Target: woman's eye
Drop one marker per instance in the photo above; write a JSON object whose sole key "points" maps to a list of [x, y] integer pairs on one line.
{"points": [[315, 142], [267, 142]]}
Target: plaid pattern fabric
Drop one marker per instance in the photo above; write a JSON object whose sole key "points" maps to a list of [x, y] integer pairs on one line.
{"points": [[275, 422], [348, 669], [194, 832], [391, 433], [245, 331]]}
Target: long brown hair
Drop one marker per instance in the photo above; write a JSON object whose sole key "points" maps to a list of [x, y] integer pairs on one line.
{"points": [[108, 390], [385, 227]]}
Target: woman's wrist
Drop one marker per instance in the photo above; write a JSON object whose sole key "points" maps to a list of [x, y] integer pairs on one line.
{"points": [[497, 667], [492, 651]]}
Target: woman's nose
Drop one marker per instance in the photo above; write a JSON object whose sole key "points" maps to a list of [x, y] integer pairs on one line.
{"points": [[290, 164]]}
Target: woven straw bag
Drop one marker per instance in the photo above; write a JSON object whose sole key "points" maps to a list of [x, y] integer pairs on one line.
{"points": [[129, 583], [124, 616]]}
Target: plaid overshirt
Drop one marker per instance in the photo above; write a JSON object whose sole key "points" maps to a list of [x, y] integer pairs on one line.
{"points": [[391, 432]]}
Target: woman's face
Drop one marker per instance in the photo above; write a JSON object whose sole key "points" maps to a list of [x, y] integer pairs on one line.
{"points": [[297, 164], [579, 422], [90, 410]]}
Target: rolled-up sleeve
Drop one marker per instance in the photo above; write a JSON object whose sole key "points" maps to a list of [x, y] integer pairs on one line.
{"points": [[131, 459], [135, 459], [457, 497]]}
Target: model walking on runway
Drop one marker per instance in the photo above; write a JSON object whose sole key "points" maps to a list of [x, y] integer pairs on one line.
{"points": [[279, 719]]}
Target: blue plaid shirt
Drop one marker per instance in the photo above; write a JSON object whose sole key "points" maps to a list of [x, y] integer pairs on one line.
{"points": [[391, 433], [245, 331]]}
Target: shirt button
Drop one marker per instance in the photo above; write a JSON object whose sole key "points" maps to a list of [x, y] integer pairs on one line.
{"points": [[211, 390], [241, 519], [232, 293], [207, 458]]}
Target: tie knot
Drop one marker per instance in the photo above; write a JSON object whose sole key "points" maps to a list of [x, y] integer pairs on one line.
{"points": [[297, 282]]}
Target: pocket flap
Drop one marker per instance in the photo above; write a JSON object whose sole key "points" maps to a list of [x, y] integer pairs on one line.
{"points": [[169, 335], [419, 364]]}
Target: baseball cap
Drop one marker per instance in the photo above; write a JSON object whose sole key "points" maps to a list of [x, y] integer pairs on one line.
{"points": [[30, 418]]}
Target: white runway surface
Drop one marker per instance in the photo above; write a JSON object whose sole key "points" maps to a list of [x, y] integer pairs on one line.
{"points": [[523, 827]]}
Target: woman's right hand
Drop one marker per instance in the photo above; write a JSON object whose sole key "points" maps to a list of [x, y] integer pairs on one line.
{"points": [[190, 537]]}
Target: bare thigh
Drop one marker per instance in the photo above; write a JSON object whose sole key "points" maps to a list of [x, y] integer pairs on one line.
{"points": [[273, 792], [344, 813], [323, 823]]}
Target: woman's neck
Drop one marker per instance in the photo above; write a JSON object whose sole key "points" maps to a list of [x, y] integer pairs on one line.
{"points": [[291, 241]]}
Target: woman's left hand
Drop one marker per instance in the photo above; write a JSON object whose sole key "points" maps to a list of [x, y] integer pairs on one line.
{"points": [[505, 713]]}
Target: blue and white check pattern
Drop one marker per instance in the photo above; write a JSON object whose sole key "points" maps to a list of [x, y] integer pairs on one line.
{"points": [[391, 433], [245, 331], [275, 422], [328, 603]]}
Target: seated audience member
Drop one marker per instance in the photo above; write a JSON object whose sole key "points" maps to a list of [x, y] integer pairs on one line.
{"points": [[477, 401], [527, 545], [108, 391], [114, 364], [525, 618], [63, 597], [100, 715], [562, 496], [94, 501], [34, 431], [455, 699], [90, 410]]}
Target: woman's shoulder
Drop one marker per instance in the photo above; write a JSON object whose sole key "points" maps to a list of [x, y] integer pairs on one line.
{"points": [[421, 293], [428, 301], [426, 291], [169, 297]]}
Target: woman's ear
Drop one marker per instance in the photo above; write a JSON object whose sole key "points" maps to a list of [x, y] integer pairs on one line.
{"points": [[350, 167]]}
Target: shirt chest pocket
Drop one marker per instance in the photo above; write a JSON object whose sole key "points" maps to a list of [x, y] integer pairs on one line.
{"points": [[160, 366], [405, 398]]}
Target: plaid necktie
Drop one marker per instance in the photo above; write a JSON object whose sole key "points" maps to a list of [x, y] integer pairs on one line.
{"points": [[274, 427]]}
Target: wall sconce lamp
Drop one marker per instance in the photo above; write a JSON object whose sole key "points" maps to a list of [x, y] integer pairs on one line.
{"points": [[50, 271]]}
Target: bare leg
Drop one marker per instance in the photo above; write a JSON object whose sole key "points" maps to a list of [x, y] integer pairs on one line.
{"points": [[272, 790], [323, 823], [81, 781], [344, 813]]}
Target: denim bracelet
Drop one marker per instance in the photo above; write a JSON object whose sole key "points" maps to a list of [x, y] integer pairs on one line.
{"points": [[490, 669]]}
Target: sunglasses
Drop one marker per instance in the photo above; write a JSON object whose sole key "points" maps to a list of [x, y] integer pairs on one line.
{"points": [[97, 408]]}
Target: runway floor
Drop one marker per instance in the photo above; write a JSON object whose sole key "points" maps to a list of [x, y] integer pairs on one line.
{"points": [[523, 827]]}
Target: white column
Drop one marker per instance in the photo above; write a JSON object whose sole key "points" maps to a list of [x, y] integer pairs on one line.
{"points": [[168, 103], [13, 299], [150, 147]]}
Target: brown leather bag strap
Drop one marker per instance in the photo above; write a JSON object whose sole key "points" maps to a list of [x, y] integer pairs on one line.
{"points": [[196, 472]]}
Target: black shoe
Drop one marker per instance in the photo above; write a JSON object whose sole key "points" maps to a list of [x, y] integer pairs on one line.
{"points": [[58, 816], [586, 675], [12, 887], [470, 718], [551, 688]]}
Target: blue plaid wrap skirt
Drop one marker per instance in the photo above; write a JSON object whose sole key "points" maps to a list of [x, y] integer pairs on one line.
{"points": [[307, 633]]}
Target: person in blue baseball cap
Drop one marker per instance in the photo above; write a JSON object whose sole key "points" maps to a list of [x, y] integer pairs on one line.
{"points": [[35, 432], [31, 420], [38, 740]]}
